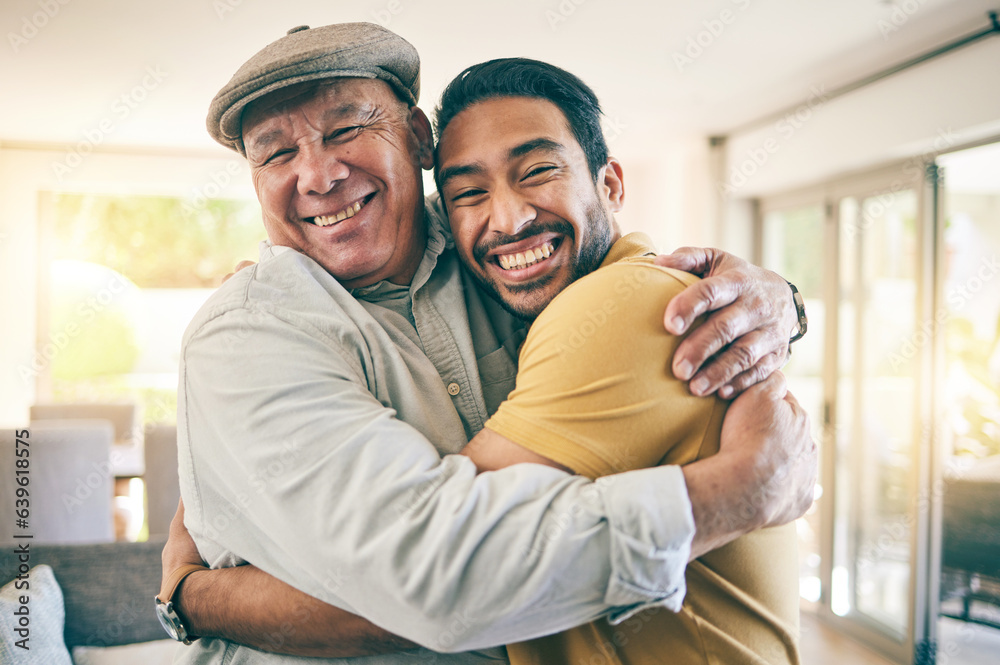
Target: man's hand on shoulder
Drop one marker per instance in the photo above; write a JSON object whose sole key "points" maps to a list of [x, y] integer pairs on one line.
{"points": [[751, 316]]}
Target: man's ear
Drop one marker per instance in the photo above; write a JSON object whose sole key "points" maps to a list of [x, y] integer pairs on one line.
{"points": [[614, 185], [421, 127]]}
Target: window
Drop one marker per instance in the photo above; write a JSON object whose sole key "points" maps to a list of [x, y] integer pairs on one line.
{"points": [[125, 276]]}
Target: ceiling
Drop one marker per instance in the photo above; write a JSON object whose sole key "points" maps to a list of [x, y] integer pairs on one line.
{"points": [[140, 73]]}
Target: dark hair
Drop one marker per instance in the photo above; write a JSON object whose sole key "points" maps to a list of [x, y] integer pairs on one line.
{"points": [[522, 77]]}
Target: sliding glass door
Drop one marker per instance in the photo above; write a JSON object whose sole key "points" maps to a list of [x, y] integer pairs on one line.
{"points": [[859, 246], [878, 525], [795, 248], [900, 269], [967, 478]]}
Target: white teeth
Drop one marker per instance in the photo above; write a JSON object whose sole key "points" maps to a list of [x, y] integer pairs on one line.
{"points": [[527, 258], [327, 220]]}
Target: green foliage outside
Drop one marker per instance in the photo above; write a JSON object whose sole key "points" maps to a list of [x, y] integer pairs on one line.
{"points": [[155, 242], [803, 232], [158, 241], [977, 411], [106, 346]]}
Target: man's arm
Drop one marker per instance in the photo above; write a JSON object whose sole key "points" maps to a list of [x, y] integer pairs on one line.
{"points": [[627, 506], [766, 449], [763, 476], [246, 605], [751, 317], [765, 471], [289, 461], [595, 396]]}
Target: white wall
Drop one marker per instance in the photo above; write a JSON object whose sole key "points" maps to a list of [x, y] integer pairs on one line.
{"points": [[666, 192], [932, 107]]}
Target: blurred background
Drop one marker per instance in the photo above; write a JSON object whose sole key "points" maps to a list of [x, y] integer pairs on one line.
{"points": [[854, 147]]}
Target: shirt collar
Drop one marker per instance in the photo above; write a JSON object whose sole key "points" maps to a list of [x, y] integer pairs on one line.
{"points": [[629, 246]]}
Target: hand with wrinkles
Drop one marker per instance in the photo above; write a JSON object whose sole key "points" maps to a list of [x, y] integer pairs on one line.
{"points": [[751, 317]]}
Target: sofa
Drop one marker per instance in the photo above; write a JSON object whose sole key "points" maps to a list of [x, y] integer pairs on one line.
{"points": [[101, 599], [971, 538]]}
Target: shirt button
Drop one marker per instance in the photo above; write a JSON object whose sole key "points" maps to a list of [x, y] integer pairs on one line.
{"points": [[454, 389]]}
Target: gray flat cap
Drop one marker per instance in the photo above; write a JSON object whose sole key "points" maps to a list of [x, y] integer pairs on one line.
{"points": [[356, 50]]}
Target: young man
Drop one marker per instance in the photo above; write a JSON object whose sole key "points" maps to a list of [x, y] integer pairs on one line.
{"points": [[531, 193]]}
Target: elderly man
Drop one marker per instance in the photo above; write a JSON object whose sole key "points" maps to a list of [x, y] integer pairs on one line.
{"points": [[321, 388]]}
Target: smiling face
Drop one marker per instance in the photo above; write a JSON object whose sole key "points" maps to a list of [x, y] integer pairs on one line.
{"points": [[527, 215], [336, 166]]}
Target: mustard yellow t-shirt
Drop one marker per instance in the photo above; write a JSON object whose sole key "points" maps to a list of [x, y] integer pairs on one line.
{"points": [[595, 393]]}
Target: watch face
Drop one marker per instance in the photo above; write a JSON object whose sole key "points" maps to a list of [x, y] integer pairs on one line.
{"points": [[169, 620]]}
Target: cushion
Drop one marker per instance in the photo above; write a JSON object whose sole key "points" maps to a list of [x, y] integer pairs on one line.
{"points": [[159, 652], [107, 589], [45, 615]]}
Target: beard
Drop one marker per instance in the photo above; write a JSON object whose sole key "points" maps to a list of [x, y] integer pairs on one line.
{"points": [[526, 301]]}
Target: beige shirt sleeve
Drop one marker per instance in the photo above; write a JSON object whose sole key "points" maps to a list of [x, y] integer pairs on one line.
{"points": [[595, 391]]}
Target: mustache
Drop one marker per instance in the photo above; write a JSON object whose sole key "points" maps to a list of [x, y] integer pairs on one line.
{"points": [[559, 226]]}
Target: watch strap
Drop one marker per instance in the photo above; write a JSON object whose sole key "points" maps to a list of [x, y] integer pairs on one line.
{"points": [[800, 312], [169, 587]]}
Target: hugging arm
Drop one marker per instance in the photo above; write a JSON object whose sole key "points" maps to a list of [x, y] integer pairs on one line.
{"points": [[605, 402], [370, 488], [751, 317], [766, 426], [246, 605]]}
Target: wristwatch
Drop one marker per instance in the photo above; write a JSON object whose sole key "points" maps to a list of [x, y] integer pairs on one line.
{"points": [[165, 610], [800, 311]]}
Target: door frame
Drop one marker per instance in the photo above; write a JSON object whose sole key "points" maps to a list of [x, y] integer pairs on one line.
{"points": [[900, 175]]}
